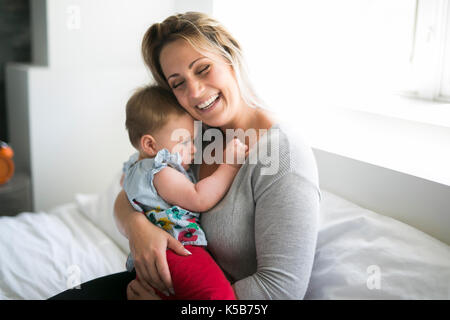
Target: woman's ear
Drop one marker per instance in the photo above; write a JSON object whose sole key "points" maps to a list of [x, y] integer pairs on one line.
{"points": [[148, 145]]}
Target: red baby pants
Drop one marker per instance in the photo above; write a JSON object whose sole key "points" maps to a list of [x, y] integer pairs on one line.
{"points": [[197, 277]]}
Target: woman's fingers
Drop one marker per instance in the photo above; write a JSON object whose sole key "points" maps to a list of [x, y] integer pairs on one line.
{"points": [[131, 293], [143, 274], [141, 289], [164, 272], [177, 247], [156, 279], [148, 276]]}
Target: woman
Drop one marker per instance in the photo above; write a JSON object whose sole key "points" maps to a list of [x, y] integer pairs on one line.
{"points": [[263, 233]]}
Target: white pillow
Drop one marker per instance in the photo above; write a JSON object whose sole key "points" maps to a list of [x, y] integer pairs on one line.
{"points": [[364, 255], [99, 209]]}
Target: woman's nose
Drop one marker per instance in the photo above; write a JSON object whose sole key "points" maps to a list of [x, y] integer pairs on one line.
{"points": [[195, 88]]}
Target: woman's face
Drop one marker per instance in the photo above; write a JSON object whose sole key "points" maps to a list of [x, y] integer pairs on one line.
{"points": [[203, 83]]}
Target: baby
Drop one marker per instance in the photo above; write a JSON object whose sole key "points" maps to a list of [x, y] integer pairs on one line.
{"points": [[159, 183]]}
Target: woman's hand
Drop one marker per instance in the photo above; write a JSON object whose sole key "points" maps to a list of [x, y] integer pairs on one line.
{"points": [[148, 245]]}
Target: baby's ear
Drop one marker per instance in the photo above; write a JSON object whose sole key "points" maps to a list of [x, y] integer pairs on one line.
{"points": [[148, 145]]}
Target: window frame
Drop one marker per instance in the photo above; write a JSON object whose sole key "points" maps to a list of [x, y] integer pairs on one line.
{"points": [[445, 80], [431, 64]]}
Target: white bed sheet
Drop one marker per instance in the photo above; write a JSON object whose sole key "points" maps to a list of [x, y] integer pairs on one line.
{"points": [[43, 254], [364, 255], [355, 247]]}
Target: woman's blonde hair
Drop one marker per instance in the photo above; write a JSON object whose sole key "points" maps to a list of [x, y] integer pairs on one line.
{"points": [[203, 33], [148, 110]]}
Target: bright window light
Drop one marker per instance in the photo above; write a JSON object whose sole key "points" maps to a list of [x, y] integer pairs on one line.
{"points": [[329, 51]]}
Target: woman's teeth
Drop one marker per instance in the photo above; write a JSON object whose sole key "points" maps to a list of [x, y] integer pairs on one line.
{"points": [[208, 102]]}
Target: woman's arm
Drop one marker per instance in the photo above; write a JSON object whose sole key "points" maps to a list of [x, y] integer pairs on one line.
{"points": [[148, 245], [286, 226]]}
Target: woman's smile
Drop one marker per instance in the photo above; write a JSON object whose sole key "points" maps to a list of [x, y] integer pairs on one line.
{"points": [[209, 104]]}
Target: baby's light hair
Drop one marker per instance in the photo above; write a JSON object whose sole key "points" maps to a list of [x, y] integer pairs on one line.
{"points": [[148, 110]]}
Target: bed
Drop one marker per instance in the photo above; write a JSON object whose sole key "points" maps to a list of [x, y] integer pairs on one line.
{"points": [[360, 254]]}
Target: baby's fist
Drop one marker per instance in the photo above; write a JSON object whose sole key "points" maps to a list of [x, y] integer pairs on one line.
{"points": [[235, 152]]}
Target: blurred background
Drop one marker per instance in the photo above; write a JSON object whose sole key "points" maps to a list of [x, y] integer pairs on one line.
{"points": [[15, 45], [366, 82]]}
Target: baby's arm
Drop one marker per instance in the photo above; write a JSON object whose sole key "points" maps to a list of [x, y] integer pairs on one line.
{"points": [[176, 189]]}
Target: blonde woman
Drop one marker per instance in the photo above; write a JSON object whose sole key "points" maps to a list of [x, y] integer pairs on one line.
{"points": [[263, 232]]}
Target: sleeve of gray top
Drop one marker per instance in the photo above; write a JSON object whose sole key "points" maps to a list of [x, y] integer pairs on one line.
{"points": [[286, 226]]}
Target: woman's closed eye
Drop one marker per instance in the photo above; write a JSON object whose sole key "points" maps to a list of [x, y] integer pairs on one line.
{"points": [[203, 69], [177, 84]]}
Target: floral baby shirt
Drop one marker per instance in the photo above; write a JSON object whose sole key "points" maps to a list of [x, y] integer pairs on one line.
{"points": [[182, 224]]}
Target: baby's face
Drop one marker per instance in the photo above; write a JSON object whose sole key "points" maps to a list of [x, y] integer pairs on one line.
{"points": [[178, 136]]}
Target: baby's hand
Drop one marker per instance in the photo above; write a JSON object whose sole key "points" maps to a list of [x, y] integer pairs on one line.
{"points": [[235, 153]]}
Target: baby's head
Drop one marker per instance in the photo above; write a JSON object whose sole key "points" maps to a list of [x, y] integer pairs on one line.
{"points": [[155, 121]]}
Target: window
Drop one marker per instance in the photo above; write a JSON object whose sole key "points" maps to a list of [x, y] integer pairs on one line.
{"points": [[430, 58], [339, 50], [445, 82]]}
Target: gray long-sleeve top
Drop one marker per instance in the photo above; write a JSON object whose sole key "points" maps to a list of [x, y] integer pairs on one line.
{"points": [[263, 233]]}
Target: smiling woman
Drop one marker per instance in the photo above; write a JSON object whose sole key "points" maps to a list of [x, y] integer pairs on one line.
{"points": [[263, 231]]}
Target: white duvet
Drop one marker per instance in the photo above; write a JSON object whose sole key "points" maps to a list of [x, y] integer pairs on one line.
{"points": [[43, 254], [360, 254]]}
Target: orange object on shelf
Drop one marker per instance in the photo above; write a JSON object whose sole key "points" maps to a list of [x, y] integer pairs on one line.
{"points": [[6, 162]]}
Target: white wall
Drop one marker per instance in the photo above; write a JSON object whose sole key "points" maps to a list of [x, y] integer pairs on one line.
{"points": [[194, 5], [76, 123], [66, 111], [99, 33]]}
